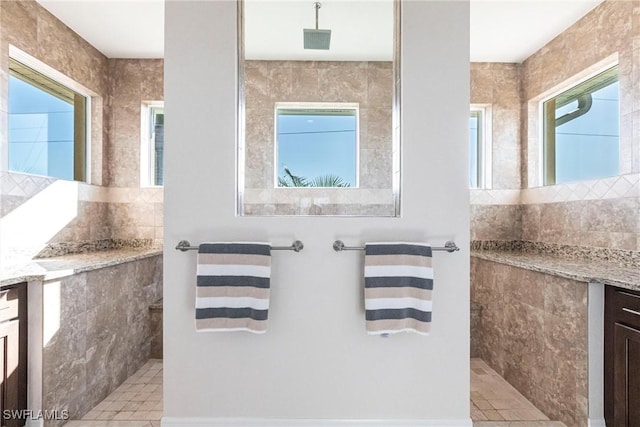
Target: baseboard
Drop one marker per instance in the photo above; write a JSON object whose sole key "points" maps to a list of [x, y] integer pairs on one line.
{"points": [[270, 422], [596, 422]]}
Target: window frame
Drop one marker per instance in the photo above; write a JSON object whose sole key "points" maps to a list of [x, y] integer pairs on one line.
{"points": [[547, 134], [82, 150], [485, 158], [316, 106], [147, 148]]}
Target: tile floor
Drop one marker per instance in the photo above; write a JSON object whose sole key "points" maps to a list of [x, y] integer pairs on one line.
{"points": [[136, 403], [496, 403]]}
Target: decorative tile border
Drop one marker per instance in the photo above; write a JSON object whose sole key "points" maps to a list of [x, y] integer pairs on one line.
{"points": [[608, 188], [495, 197], [27, 186], [616, 187]]}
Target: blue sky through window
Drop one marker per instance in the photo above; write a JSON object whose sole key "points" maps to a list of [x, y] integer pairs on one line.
{"points": [[587, 147], [474, 127], [41, 132], [313, 145]]}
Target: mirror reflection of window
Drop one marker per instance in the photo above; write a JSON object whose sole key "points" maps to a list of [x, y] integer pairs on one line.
{"points": [[340, 156], [317, 147]]}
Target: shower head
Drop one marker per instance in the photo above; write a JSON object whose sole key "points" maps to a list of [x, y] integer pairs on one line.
{"points": [[315, 38]]}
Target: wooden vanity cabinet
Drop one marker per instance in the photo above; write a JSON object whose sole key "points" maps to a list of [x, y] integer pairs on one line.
{"points": [[13, 353], [622, 357]]}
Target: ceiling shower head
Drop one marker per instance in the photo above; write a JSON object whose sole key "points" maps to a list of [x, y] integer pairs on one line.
{"points": [[315, 38]]}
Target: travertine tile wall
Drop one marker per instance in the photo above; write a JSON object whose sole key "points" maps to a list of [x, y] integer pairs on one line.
{"points": [[133, 81], [370, 84], [99, 213], [134, 212], [119, 88], [599, 213], [533, 331], [103, 335], [498, 85]]}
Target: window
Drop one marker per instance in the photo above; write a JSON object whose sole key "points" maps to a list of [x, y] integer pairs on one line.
{"points": [[47, 126], [317, 145], [157, 144], [152, 148], [581, 131], [479, 147]]}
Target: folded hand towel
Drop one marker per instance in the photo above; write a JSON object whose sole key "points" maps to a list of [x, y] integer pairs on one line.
{"points": [[398, 280], [232, 287]]}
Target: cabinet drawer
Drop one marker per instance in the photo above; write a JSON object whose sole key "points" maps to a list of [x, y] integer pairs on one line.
{"points": [[626, 307], [9, 304]]}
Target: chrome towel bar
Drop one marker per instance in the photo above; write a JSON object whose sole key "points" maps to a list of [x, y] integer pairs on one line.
{"points": [[449, 246], [297, 246]]}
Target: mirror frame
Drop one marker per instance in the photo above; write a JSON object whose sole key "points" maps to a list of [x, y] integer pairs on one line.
{"points": [[396, 132]]}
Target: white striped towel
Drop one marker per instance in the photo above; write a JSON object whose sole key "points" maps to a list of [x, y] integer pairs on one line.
{"points": [[232, 287], [398, 281]]}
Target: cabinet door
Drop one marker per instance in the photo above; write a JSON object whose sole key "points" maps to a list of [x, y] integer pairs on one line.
{"points": [[10, 384], [627, 376]]}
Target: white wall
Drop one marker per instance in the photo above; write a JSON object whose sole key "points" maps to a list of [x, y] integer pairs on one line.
{"points": [[316, 361]]}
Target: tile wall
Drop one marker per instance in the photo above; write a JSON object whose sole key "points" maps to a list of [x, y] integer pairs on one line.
{"points": [[96, 332], [133, 81], [533, 331]]}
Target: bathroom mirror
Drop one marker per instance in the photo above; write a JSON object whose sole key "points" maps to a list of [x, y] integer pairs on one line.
{"points": [[319, 110]]}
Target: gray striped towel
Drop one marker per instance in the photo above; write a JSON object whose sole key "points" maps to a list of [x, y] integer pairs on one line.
{"points": [[232, 287], [398, 281]]}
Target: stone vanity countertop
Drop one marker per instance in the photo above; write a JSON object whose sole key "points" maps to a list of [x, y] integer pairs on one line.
{"points": [[43, 269], [582, 270]]}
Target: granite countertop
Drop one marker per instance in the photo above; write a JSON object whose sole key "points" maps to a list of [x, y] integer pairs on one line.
{"points": [[56, 267], [583, 270]]}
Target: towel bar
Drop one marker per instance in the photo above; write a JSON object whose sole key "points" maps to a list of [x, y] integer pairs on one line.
{"points": [[297, 246], [449, 246]]}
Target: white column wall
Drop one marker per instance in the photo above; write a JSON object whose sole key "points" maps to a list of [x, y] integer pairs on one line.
{"points": [[316, 362]]}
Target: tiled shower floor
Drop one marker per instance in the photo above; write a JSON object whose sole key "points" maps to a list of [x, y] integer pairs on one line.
{"points": [[496, 403], [138, 402]]}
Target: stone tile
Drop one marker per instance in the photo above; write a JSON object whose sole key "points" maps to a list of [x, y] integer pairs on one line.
{"points": [[141, 415], [539, 345], [483, 404], [510, 403], [477, 415], [125, 415], [106, 415], [521, 414], [493, 415]]}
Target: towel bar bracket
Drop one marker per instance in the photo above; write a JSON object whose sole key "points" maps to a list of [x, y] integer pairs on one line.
{"points": [[297, 246], [449, 246]]}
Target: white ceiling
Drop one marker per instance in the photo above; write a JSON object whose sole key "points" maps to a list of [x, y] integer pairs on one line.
{"points": [[512, 30], [361, 30], [501, 30]]}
